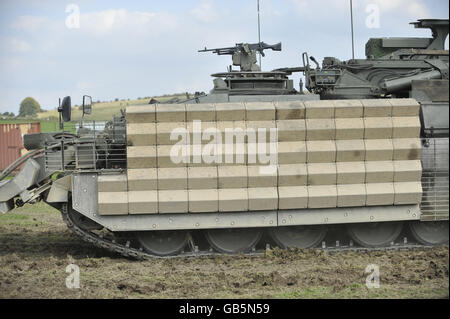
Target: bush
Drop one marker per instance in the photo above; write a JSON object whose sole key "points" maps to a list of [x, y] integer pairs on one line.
{"points": [[29, 107]]}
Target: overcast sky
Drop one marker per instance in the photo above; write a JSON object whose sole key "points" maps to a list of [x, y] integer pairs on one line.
{"points": [[130, 49]]}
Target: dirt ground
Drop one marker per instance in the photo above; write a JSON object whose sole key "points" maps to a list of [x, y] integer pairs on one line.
{"points": [[36, 248]]}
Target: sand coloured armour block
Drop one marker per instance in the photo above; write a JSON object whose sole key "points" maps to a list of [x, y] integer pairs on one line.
{"points": [[292, 197], [141, 134], [291, 152], [323, 196], [230, 112], [112, 203], [379, 194], [377, 108], [321, 151], [407, 171], [259, 177], [321, 173], [380, 172], [232, 176], [173, 155], [260, 111], [171, 133], [203, 200], [350, 151], [201, 112], [233, 154], [112, 183], [267, 154], [172, 201], [379, 150], [291, 130], [351, 195], [203, 132], [292, 175], [351, 172], [141, 157], [349, 128], [407, 193], [405, 107], [320, 129], [407, 149], [141, 113], [233, 200], [170, 113], [143, 202], [202, 178], [290, 110], [348, 109], [377, 128], [264, 198], [172, 178], [406, 127], [321, 109], [261, 132], [145, 179]]}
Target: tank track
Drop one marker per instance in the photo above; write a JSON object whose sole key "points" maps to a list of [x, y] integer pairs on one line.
{"points": [[138, 253]]}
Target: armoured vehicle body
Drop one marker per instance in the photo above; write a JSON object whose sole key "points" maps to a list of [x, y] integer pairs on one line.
{"points": [[161, 176]]}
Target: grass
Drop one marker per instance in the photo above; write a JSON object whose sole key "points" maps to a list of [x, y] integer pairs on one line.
{"points": [[357, 290], [101, 111], [36, 247], [18, 121], [104, 110]]}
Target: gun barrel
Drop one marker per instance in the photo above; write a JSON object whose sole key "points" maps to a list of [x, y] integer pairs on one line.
{"points": [[260, 46]]}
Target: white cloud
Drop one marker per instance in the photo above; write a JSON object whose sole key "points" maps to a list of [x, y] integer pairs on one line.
{"points": [[314, 8], [83, 85], [19, 46], [28, 23], [205, 12], [413, 8], [114, 20]]}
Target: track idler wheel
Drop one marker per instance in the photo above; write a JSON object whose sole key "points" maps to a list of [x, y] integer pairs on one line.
{"points": [[163, 242], [375, 234], [430, 233], [233, 241], [298, 236]]}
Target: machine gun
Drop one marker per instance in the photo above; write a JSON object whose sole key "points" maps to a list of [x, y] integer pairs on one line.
{"points": [[245, 47], [244, 54]]}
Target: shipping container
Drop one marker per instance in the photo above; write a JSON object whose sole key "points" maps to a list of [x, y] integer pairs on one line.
{"points": [[11, 140]]}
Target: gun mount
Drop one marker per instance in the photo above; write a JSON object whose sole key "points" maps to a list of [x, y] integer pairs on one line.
{"points": [[244, 54], [249, 79]]}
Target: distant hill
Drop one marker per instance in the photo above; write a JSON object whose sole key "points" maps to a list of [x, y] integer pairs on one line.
{"points": [[103, 111]]}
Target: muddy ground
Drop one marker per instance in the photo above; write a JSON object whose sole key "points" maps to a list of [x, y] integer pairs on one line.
{"points": [[36, 247]]}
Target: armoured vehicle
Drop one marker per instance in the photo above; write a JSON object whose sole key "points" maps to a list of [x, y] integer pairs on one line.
{"points": [[367, 158]]}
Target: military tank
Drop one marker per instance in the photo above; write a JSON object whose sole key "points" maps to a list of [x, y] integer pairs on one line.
{"points": [[197, 178]]}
